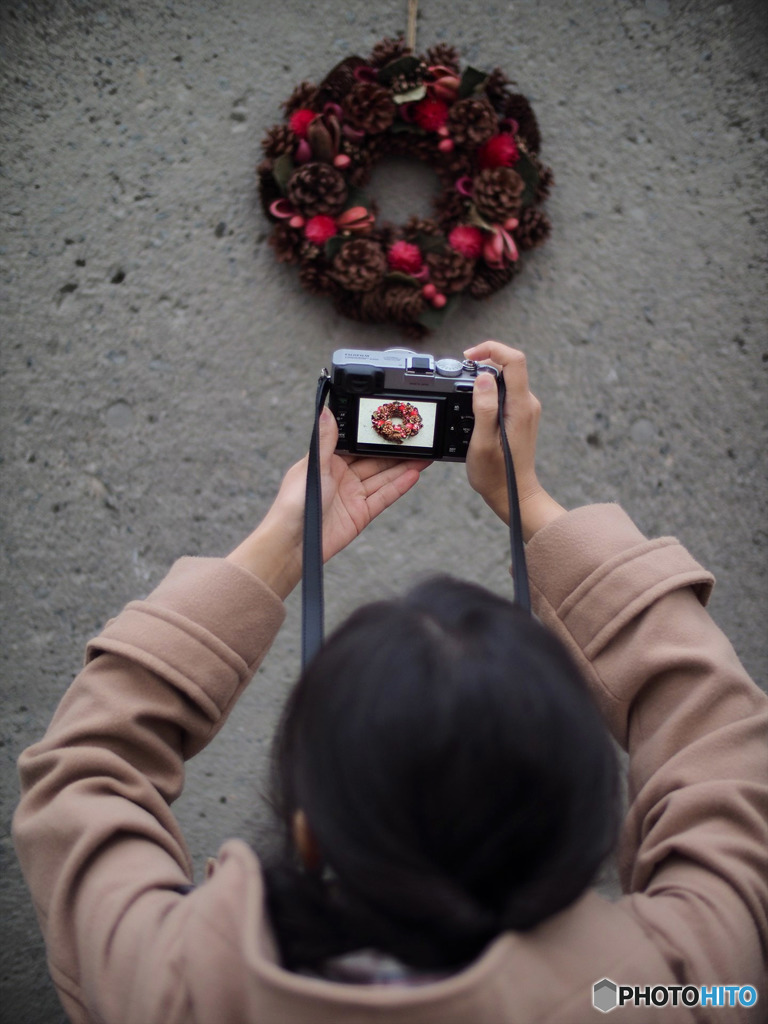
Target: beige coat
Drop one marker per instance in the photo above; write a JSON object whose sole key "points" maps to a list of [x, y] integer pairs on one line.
{"points": [[105, 860]]}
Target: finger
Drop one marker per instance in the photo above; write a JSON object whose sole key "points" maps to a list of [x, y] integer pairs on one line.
{"points": [[485, 406], [512, 362], [365, 467], [329, 436], [389, 473], [394, 488]]}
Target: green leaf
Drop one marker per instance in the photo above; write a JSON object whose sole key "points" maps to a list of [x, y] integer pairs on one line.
{"points": [[333, 245], [404, 126], [402, 66], [356, 197], [477, 220], [433, 318], [400, 277], [412, 95], [527, 171], [472, 81], [282, 169], [430, 243]]}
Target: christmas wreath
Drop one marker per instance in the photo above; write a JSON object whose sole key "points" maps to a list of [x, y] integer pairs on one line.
{"points": [[382, 421], [479, 135]]}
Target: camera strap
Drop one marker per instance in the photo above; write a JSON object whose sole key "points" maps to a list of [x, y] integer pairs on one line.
{"points": [[516, 545], [312, 606]]}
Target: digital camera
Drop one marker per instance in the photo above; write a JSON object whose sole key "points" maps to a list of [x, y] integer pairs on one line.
{"points": [[403, 404]]}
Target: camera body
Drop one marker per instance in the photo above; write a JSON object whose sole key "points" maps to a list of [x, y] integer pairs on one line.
{"points": [[403, 404]]}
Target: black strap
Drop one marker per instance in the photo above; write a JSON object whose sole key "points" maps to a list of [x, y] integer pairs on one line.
{"points": [[312, 562], [312, 613], [517, 547]]}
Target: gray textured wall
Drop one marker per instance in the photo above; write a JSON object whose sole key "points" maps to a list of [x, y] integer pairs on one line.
{"points": [[158, 366]]}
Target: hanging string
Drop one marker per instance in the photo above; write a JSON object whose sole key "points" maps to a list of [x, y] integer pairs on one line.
{"points": [[410, 35]]}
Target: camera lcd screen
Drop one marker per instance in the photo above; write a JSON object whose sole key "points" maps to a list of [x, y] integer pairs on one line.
{"points": [[397, 423]]}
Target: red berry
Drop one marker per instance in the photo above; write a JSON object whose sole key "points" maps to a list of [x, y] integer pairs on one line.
{"points": [[468, 240], [429, 291], [406, 257], [500, 151], [439, 300], [300, 121]]}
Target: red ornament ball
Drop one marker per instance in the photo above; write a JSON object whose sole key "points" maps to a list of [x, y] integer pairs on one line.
{"points": [[430, 114], [320, 228], [300, 121], [500, 151], [406, 257], [468, 240]]}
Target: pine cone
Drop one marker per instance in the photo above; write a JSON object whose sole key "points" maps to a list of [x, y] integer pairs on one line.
{"points": [[337, 83], [358, 171], [444, 55], [286, 242], [411, 145], [497, 192], [278, 140], [364, 307], [377, 146], [359, 174], [453, 165], [359, 265], [546, 181], [449, 270], [488, 280], [315, 277], [519, 109], [533, 230], [472, 121], [414, 332], [403, 303], [496, 88], [388, 50], [317, 188], [369, 107], [450, 208], [415, 226], [304, 95], [386, 234], [269, 190]]}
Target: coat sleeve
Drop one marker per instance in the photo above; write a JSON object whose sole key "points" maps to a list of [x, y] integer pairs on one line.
{"points": [[101, 851], [693, 852]]}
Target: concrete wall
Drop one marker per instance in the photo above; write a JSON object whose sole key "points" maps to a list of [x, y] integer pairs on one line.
{"points": [[158, 365]]}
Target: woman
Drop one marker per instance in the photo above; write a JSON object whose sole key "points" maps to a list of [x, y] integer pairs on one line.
{"points": [[445, 785]]}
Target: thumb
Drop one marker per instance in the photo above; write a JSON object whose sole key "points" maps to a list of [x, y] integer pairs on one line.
{"points": [[328, 437], [485, 406]]}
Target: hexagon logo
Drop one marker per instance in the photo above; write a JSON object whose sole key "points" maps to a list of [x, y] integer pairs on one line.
{"points": [[604, 996]]}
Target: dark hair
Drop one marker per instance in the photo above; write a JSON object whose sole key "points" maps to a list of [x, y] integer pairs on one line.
{"points": [[455, 773]]}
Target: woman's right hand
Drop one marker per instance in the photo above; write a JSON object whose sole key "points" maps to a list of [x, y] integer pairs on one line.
{"points": [[485, 459]]}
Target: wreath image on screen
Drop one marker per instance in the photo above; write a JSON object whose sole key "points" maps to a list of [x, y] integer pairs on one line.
{"points": [[396, 421], [480, 136]]}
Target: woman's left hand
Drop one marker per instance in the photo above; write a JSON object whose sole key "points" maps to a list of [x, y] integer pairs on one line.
{"points": [[355, 490]]}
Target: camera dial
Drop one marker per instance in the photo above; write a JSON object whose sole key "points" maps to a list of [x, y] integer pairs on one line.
{"points": [[449, 367]]}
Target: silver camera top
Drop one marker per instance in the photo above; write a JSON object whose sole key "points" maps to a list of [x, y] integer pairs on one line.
{"points": [[360, 371]]}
